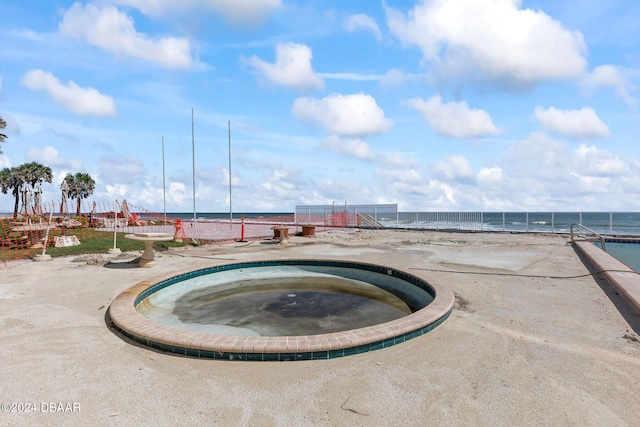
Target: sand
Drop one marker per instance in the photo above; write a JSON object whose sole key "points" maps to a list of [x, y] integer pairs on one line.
{"points": [[533, 340]]}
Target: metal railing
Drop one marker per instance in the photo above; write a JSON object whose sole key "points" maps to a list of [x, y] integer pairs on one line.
{"points": [[597, 237], [606, 223], [387, 216]]}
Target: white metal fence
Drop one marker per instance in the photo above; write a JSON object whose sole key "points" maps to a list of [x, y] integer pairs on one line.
{"points": [[387, 216]]}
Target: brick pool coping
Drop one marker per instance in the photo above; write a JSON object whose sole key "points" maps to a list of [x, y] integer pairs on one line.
{"points": [[623, 278], [130, 322]]}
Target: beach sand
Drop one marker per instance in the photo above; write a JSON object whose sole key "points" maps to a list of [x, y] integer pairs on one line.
{"points": [[533, 340]]}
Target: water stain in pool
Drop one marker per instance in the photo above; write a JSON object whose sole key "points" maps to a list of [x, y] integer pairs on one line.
{"points": [[286, 312]]}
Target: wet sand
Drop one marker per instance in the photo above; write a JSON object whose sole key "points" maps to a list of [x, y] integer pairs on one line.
{"points": [[534, 339]]}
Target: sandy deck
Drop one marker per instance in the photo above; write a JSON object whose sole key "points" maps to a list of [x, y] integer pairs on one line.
{"points": [[533, 340]]}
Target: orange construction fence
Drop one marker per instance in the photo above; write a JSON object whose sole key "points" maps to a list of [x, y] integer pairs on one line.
{"points": [[24, 236]]}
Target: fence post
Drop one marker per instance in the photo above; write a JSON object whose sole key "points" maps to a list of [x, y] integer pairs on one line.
{"points": [[611, 222], [115, 250]]}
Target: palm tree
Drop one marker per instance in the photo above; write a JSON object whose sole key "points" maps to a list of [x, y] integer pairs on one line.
{"points": [[36, 173], [3, 125], [81, 186], [12, 179], [27, 173]]}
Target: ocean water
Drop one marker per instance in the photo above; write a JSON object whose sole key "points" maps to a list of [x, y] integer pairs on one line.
{"points": [[226, 215], [614, 223]]}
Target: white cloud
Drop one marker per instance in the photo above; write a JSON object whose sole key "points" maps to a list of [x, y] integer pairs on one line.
{"points": [[29, 35], [496, 38], [395, 77], [453, 168], [403, 176], [352, 115], [280, 183], [235, 180], [398, 160], [453, 119], [178, 194], [490, 176], [593, 185], [537, 173], [362, 21], [539, 158], [617, 78], [292, 67], [402, 182], [122, 169], [354, 77], [50, 156], [546, 169], [581, 124], [351, 146], [83, 101], [592, 161], [118, 191], [113, 31], [235, 12], [148, 194]]}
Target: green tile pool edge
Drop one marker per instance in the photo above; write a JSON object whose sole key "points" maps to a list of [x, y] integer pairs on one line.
{"points": [[318, 355], [285, 357]]}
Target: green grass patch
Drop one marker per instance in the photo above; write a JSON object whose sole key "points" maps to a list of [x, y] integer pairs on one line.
{"points": [[92, 241]]}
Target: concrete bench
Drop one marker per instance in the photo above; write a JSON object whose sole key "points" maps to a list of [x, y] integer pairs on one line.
{"points": [[280, 232]]}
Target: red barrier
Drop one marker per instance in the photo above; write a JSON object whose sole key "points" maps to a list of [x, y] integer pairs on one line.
{"points": [[242, 233], [179, 233]]}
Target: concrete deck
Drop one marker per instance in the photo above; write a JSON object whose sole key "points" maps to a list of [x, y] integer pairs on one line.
{"points": [[534, 339]]}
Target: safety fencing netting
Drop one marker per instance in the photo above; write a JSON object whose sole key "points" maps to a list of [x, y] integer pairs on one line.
{"points": [[53, 224], [365, 216]]}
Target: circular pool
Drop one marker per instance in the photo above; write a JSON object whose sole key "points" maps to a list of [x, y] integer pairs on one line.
{"points": [[281, 310]]}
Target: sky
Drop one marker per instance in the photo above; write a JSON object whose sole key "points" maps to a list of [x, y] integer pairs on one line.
{"points": [[436, 105]]}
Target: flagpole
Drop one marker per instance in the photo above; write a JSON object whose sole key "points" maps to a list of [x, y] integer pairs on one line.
{"points": [[230, 209], [193, 166], [164, 187]]}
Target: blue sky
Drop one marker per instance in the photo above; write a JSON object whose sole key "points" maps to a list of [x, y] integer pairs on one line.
{"points": [[436, 105]]}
